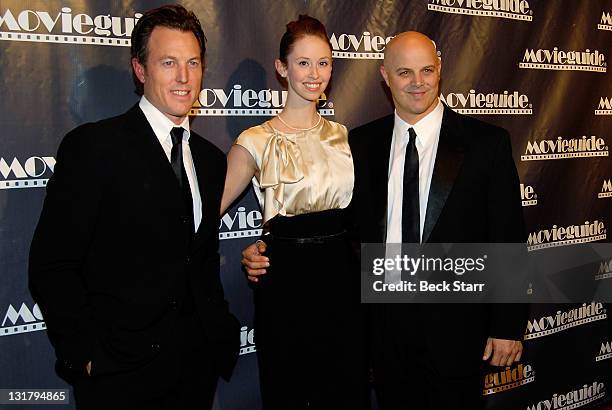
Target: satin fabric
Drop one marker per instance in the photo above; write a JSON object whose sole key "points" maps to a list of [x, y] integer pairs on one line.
{"points": [[299, 173]]}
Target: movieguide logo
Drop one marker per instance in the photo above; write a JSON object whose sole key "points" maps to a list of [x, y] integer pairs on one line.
{"points": [[242, 101], [528, 195], [563, 147], [64, 26], [573, 399], [563, 320], [359, 47], [606, 189], [605, 270], [240, 224], [22, 321], [605, 352], [568, 235], [606, 21], [247, 340], [34, 172], [508, 379], [555, 59], [604, 107], [508, 102], [509, 9]]}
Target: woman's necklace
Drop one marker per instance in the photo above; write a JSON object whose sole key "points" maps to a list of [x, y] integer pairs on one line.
{"points": [[299, 129]]}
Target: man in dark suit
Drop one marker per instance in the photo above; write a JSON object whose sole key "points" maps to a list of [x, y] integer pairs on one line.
{"points": [[124, 262], [426, 174]]}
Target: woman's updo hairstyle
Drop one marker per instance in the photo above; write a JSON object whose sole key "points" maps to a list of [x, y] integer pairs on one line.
{"points": [[303, 26]]}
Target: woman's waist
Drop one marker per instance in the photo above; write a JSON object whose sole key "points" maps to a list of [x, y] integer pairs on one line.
{"points": [[308, 228]]}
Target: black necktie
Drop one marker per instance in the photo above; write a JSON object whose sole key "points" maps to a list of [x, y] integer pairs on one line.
{"points": [[176, 159], [411, 226]]}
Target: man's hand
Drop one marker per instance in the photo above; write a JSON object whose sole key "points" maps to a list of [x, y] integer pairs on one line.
{"points": [[253, 260], [502, 352], [88, 368]]}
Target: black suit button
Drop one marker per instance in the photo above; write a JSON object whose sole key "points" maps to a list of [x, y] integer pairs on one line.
{"points": [[188, 259], [185, 220], [155, 347], [173, 303]]}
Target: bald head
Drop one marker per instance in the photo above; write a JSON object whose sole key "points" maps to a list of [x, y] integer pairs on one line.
{"points": [[410, 40], [411, 69]]}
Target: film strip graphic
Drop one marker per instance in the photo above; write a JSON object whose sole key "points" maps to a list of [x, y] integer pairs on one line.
{"points": [[536, 157], [247, 233], [487, 13], [566, 242], [564, 67], [508, 386], [246, 112], [496, 111], [21, 184], [358, 56], [65, 39], [13, 330]]}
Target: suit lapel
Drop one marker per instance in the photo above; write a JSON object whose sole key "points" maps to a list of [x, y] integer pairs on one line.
{"points": [[449, 158], [153, 157], [199, 163]]}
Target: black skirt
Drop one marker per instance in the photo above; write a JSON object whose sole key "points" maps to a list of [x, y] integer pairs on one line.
{"points": [[308, 318]]}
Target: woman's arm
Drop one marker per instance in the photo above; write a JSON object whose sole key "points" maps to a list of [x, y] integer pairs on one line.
{"points": [[240, 170]]}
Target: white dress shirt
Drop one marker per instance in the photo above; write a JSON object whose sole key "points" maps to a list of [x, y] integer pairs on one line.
{"points": [[161, 127], [428, 135]]}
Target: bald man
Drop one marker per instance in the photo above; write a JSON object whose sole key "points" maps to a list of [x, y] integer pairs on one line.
{"points": [[427, 174]]}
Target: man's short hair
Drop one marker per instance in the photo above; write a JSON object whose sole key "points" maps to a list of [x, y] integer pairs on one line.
{"points": [[170, 16]]}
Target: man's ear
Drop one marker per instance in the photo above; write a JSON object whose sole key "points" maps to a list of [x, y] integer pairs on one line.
{"points": [[139, 69], [383, 72]]}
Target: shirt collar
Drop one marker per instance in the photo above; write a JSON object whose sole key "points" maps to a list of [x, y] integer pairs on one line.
{"points": [[426, 129], [160, 123]]}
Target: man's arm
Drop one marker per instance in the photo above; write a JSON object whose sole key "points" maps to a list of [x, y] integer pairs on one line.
{"points": [[59, 247], [506, 225]]}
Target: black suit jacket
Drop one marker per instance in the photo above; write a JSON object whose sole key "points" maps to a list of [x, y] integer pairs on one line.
{"points": [[474, 198], [112, 253]]}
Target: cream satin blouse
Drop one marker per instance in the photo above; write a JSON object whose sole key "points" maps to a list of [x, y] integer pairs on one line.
{"points": [[299, 173]]}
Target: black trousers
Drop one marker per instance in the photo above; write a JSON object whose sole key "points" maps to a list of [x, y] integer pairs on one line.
{"points": [[408, 372], [181, 376]]}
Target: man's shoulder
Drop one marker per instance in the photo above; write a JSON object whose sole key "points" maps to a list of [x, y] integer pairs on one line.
{"points": [[362, 132], [98, 133], [474, 127]]}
